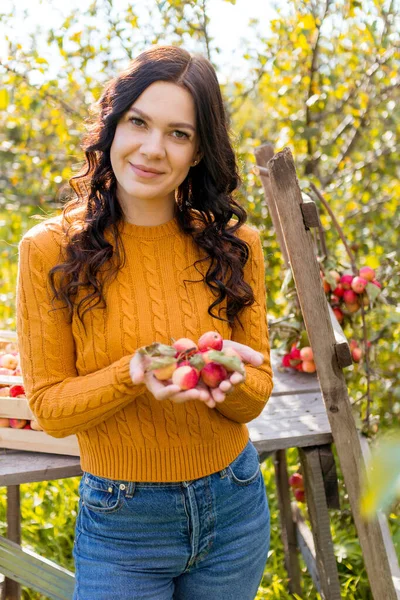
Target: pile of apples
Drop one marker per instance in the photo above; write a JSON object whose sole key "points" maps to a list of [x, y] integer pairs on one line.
{"points": [[184, 363], [347, 292], [300, 359], [297, 484], [10, 366]]}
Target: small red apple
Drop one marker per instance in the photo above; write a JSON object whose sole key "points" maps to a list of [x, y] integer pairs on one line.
{"points": [[18, 423], [17, 390], [353, 308], [367, 273], [326, 286], [213, 373], [309, 366], [211, 340], [306, 353], [8, 361], [350, 297], [184, 346], [186, 377], [300, 495], [296, 481], [339, 290], [346, 280], [356, 354], [358, 284]]}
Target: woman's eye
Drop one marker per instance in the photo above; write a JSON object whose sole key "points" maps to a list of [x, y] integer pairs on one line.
{"points": [[181, 134], [136, 121]]}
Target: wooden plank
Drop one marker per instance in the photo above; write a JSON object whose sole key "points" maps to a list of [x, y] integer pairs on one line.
{"points": [[320, 524], [306, 544], [11, 380], [34, 571], [313, 303], [17, 467], [303, 441], [15, 408], [37, 441], [342, 349], [288, 529], [329, 475], [12, 589], [10, 336], [263, 154], [311, 402], [278, 425]]}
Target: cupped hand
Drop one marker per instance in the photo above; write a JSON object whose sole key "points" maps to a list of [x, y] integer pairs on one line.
{"points": [[248, 355], [166, 390]]}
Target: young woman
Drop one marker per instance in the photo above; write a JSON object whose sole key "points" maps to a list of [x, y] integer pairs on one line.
{"points": [[172, 499]]}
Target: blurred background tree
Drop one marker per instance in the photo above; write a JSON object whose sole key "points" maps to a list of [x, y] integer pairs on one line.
{"points": [[321, 77]]}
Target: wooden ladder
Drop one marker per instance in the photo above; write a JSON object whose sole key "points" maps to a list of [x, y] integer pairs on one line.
{"points": [[293, 218]]}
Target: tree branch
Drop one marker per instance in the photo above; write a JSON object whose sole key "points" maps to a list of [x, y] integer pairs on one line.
{"points": [[310, 164], [52, 97], [361, 84], [338, 228]]}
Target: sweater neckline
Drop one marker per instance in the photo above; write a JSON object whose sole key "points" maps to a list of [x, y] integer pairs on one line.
{"points": [[171, 227]]}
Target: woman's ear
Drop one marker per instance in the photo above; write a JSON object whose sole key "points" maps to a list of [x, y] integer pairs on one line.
{"points": [[197, 159]]}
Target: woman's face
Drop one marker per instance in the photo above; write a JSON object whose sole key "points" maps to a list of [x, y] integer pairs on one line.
{"points": [[158, 133]]}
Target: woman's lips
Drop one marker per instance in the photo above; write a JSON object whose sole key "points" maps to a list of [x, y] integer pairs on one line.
{"points": [[145, 174]]}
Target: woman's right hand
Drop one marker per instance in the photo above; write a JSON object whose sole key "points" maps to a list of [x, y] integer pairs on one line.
{"points": [[165, 390]]}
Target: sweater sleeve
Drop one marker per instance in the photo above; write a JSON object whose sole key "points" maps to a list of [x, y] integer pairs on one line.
{"points": [[63, 402], [248, 398]]}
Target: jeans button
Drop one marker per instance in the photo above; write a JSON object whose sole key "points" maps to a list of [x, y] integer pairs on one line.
{"points": [[122, 486]]}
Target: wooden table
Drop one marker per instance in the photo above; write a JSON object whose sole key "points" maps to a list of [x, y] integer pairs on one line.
{"points": [[295, 416]]}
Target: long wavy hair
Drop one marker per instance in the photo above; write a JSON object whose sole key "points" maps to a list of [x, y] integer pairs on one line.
{"points": [[204, 198]]}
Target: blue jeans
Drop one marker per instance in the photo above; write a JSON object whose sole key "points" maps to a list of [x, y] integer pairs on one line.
{"points": [[205, 539]]}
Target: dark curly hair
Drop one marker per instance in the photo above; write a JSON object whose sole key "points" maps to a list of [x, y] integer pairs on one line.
{"points": [[204, 197]]}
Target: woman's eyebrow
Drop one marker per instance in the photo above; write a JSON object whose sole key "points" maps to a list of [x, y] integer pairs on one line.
{"points": [[142, 114]]}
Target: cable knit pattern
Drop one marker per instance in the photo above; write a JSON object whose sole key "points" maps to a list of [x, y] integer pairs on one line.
{"points": [[151, 268], [78, 382], [191, 325]]}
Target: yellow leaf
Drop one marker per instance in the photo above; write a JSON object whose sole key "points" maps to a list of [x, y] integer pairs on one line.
{"points": [[26, 102], [372, 261], [307, 22], [363, 100], [4, 99], [302, 42]]}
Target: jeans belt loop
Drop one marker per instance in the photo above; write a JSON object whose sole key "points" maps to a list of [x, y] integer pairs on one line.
{"points": [[130, 490]]}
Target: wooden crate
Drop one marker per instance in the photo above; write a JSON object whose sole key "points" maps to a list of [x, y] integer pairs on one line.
{"points": [[27, 439], [18, 408]]}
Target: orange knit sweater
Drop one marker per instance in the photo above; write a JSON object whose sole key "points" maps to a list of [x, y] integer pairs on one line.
{"points": [[78, 382]]}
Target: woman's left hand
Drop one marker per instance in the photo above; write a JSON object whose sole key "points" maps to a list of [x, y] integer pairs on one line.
{"points": [[248, 355]]}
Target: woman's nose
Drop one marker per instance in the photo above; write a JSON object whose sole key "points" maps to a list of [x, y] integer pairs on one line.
{"points": [[153, 146]]}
